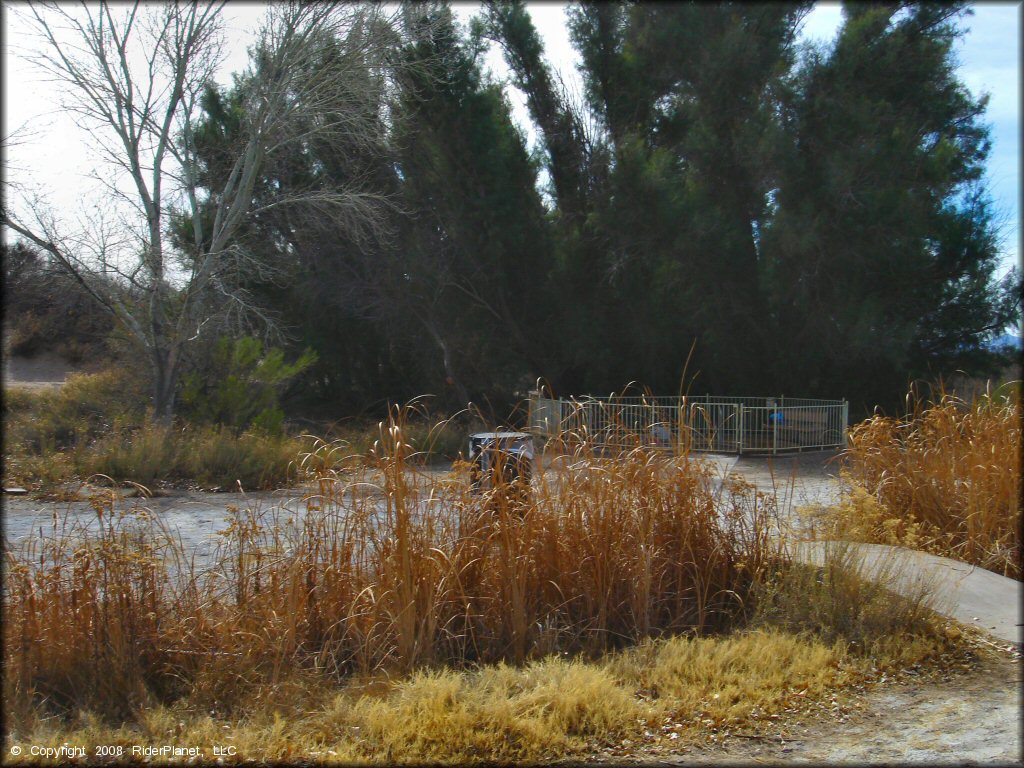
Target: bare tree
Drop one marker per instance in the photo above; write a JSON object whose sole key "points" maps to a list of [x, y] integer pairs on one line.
{"points": [[136, 74]]}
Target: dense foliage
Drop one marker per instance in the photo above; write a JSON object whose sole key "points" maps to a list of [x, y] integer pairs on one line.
{"points": [[806, 219]]}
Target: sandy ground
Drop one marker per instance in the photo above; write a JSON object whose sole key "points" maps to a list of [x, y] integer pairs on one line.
{"points": [[965, 719], [971, 718], [196, 516]]}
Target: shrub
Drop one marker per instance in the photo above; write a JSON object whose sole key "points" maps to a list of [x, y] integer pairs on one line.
{"points": [[255, 460], [97, 424], [48, 434], [440, 439], [143, 455], [241, 384], [944, 478]]}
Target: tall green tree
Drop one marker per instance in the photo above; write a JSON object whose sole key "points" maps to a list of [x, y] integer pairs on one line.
{"points": [[817, 224], [510, 25], [713, 83], [687, 96], [882, 251], [447, 296]]}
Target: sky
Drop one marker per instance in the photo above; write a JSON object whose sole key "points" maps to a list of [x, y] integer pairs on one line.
{"points": [[56, 161]]}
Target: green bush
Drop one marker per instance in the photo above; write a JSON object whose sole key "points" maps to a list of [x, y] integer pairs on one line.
{"points": [[240, 386]]}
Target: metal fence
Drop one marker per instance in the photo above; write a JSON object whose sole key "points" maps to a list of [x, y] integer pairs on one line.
{"points": [[700, 423]]}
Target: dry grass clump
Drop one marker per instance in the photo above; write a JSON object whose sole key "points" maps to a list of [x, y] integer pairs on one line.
{"points": [[544, 710], [387, 569], [558, 707], [404, 578], [723, 681], [85, 613], [659, 694], [99, 424], [431, 437], [96, 424], [944, 478], [843, 597]]}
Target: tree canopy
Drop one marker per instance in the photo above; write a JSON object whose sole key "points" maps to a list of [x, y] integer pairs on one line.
{"points": [[790, 219]]}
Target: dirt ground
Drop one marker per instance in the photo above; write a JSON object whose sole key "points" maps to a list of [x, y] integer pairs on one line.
{"points": [[967, 718]]}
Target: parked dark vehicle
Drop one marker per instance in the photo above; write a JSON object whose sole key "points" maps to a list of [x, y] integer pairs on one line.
{"points": [[501, 459]]}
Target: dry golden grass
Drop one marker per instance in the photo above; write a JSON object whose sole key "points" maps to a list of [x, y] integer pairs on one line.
{"points": [[661, 693], [396, 574], [944, 478], [389, 569]]}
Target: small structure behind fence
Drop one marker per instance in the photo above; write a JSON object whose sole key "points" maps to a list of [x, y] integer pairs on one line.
{"points": [[700, 423]]}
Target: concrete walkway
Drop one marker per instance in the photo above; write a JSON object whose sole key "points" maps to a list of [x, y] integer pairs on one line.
{"points": [[971, 595]]}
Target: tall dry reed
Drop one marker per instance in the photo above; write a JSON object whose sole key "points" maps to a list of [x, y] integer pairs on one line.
{"points": [[87, 610], [945, 478], [389, 567]]}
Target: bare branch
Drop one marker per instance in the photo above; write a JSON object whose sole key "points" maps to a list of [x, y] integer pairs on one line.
{"points": [[135, 74]]}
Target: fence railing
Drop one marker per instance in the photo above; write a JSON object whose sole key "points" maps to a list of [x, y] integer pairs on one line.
{"points": [[700, 423]]}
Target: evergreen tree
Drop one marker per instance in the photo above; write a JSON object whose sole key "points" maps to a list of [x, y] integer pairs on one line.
{"points": [[474, 253], [817, 227], [882, 250]]}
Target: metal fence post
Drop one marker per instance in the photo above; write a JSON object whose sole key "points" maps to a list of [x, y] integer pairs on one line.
{"points": [[739, 428], [846, 421]]}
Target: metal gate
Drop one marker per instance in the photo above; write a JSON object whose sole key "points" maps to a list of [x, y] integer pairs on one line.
{"points": [[701, 423]]}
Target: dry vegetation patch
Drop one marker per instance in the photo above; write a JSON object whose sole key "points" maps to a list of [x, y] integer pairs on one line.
{"points": [[945, 478], [403, 618], [94, 425], [659, 696]]}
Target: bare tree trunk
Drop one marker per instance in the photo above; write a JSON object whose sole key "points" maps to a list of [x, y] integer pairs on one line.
{"points": [[165, 380]]}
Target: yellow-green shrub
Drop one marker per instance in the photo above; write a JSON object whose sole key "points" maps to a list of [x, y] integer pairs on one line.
{"points": [[944, 478]]}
